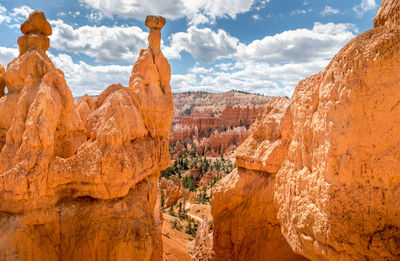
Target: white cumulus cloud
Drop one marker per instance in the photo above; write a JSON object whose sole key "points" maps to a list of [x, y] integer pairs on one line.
{"points": [[4, 18], [92, 79], [272, 66], [19, 14], [16, 16], [7, 55], [197, 12], [300, 45], [364, 6], [328, 10], [255, 77], [202, 43], [105, 44]]}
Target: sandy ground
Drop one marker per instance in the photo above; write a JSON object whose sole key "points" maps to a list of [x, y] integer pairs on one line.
{"points": [[176, 243]]}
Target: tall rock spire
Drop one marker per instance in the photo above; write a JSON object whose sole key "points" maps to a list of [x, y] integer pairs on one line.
{"points": [[155, 24]]}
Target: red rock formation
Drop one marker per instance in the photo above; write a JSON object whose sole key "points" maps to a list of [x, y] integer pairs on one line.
{"points": [[178, 149], [202, 247], [172, 188], [329, 160], [184, 134], [337, 191], [203, 103], [80, 191], [267, 146], [35, 30], [388, 15], [85, 106], [246, 196], [208, 178], [229, 117], [221, 142], [212, 131]]}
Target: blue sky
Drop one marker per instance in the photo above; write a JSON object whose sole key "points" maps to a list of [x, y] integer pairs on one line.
{"points": [[260, 46]]}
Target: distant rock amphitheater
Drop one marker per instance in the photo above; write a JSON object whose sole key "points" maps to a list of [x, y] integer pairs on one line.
{"points": [[214, 123]]}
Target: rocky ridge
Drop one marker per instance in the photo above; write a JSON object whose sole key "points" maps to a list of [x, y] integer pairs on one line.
{"points": [[81, 183]]}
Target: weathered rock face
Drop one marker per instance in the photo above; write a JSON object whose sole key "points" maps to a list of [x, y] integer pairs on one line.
{"points": [[85, 106], [388, 15], [228, 118], [208, 178], [215, 122], [337, 190], [80, 184], [245, 218], [333, 156], [267, 145]]}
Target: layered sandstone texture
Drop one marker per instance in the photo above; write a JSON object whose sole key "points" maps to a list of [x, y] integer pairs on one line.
{"points": [[337, 190], [245, 218], [81, 183]]}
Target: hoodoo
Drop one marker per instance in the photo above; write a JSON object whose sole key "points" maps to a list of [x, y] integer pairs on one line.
{"points": [[81, 184]]}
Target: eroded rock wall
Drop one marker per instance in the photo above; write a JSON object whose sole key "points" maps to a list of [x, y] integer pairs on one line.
{"points": [[245, 218], [245, 223], [332, 154], [81, 183], [337, 191]]}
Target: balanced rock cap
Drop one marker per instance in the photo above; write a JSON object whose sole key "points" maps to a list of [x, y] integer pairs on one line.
{"points": [[155, 22], [36, 23]]}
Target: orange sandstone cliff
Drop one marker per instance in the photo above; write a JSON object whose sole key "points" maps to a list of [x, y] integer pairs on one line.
{"points": [[337, 190], [81, 184], [332, 156]]}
